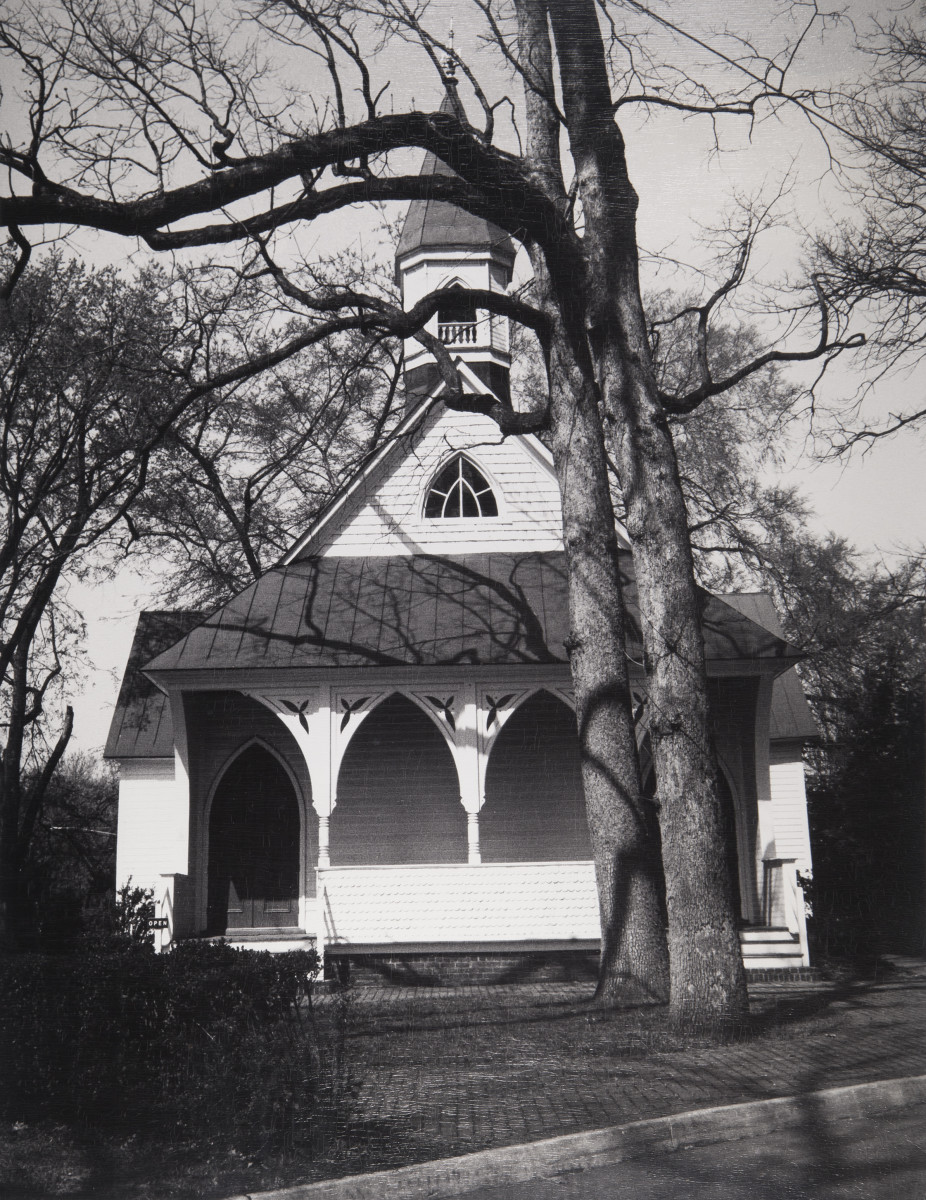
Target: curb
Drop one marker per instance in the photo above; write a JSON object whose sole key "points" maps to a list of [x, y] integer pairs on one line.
{"points": [[600, 1147]]}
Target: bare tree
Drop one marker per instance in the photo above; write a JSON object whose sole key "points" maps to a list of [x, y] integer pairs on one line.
{"points": [[95, 372], [873, 265], [242, 475], [147, 121]]}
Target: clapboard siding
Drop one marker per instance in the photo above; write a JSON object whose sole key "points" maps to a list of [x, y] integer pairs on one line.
{"points": [[385, 516], [152, 824], [534, 807], [398, 795], [789, 802], [492, 902]]}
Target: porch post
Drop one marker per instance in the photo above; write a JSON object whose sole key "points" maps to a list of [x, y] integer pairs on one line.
{"points": [[324, 856], [466, 756], [765, 848], [472, 837]]}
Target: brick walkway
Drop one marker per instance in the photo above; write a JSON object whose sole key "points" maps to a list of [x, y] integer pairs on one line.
{"points": [[445, 1071]]}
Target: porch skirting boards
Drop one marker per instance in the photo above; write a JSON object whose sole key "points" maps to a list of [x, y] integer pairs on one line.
{"points": [[458, 903]]}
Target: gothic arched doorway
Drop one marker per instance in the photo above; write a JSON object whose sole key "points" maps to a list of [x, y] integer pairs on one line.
{"points": [[254, 837]]}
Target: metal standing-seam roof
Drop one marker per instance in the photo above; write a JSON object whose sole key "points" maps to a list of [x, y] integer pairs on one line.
{"points": [[141, 725], [438, 225], [791, 717], [404, 610], [422, 610]]}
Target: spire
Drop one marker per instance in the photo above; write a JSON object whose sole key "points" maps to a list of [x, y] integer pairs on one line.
{"points": [[438, 225], [444, 246]]}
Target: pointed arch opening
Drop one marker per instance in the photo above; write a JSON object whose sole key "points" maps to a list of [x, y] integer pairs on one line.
{"points": [[460, 490], [457, 316], [534, 804], [398, 793], [254, 845]]}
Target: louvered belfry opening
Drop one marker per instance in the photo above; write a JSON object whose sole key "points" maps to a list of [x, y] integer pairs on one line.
{"points": [[534, 809], [398, 794]]}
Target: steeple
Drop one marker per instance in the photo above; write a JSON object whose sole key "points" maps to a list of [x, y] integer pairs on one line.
{"points": [[442, 245]]}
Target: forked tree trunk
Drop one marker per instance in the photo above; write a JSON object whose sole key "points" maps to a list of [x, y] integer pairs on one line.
{"points": [[707, 976]]}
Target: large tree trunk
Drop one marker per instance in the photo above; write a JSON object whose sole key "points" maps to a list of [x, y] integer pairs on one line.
{"points": [[11, 802], [634, 960], [707, 977], [634, 963]]}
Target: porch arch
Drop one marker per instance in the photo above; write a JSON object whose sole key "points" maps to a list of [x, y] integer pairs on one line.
{"points": [[534, 806], [398, 792], [254, 863], [354, 722]]}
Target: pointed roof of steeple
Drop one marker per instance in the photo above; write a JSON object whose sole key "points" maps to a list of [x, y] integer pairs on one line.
{"points": [[437, 225]]}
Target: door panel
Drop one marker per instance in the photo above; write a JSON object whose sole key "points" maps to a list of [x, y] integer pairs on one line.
{"points": [[254, 833]]}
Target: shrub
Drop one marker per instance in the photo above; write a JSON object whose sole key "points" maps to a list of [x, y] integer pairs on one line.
{"points": [[206, 1041]]}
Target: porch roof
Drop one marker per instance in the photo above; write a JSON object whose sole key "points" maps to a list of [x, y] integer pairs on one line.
{"points": [[422, 610], [409, 610]]}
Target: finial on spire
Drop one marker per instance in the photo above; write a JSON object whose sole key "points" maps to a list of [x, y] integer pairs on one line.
{"points": [[450, 66]]}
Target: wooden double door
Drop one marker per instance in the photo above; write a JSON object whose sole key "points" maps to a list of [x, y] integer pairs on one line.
{"points": [[254, 838]]}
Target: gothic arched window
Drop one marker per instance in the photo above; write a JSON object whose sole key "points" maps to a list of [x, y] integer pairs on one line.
{"points": [[460, 490]]}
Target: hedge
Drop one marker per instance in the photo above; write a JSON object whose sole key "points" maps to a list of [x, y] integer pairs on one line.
{"points": [[206, 1041]]}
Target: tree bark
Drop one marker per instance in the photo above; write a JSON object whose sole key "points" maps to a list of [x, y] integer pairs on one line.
{"points": [[634, 962], [11, 801], [707, 977]]}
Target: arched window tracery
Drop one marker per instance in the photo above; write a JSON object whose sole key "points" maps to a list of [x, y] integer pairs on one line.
{"points": [[460, 490]]}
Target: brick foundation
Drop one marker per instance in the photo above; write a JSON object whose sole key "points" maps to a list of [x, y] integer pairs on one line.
{"points": [[456, 968], [784, 975], [460, 968]]}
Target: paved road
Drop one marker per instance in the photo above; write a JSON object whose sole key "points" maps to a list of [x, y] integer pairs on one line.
{"points": [[878, 1158]]}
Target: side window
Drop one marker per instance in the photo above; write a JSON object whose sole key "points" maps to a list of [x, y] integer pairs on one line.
{"points": [[460, 490]]}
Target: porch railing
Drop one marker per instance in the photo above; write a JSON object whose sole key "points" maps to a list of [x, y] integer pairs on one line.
{"points": [[451, 333]]}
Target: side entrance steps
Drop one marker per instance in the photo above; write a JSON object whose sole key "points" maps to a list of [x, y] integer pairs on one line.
{"points": [[770, 948]]}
